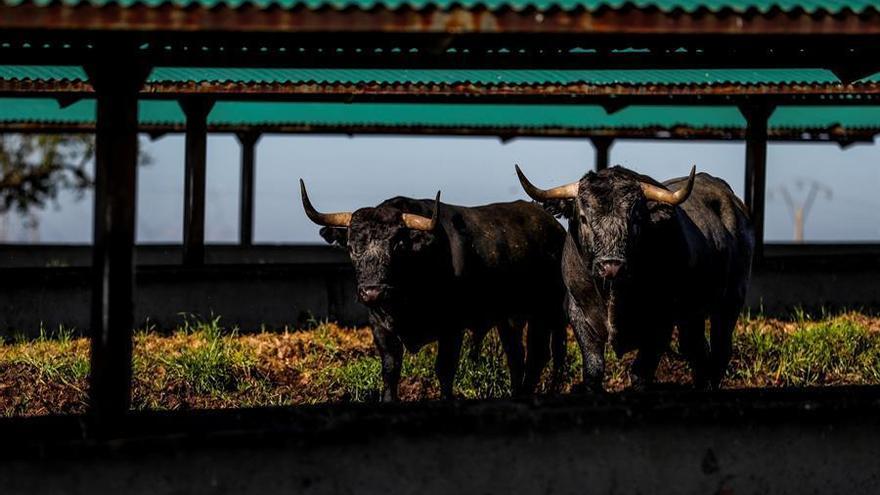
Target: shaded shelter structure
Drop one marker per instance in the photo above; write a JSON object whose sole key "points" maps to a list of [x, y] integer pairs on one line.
{"points": [[548, 52], [600, 104]]}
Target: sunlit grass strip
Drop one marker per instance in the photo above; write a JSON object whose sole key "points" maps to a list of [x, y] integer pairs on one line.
{"points": [[44, 375], [203, 365], [199, 365], [831, 351]]}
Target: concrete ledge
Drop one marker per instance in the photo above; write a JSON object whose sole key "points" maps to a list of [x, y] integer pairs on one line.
{"points": [[280, 286], [246, 296], [823, 440]]}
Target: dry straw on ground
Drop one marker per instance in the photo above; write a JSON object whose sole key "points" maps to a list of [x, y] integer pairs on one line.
{"points": [[202, 365]]}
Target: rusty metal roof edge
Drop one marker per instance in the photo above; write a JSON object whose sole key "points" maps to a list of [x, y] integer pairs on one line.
{"points": [[696, 8], [39, 85]]}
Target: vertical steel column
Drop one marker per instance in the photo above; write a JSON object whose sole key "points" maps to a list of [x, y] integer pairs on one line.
{"points": [[756, 115], [196, 111], [248, 141], [117, 80], [602, 145]]}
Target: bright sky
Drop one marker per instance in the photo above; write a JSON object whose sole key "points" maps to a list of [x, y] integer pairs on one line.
{"points": [[345, 173]]}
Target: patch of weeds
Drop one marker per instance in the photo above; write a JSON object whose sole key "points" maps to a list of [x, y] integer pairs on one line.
{"points": [[488, 376], [198, 362], [211, 362], [202, 365], [55, 356], [358, 380], [828, 351]]}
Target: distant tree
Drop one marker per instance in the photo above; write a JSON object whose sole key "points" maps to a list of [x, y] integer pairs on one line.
{"points": [[800, 210], [34, 169]]}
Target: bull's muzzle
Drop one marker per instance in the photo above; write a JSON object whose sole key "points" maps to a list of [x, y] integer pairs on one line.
{"points": [[372, 294], [608, 268]]}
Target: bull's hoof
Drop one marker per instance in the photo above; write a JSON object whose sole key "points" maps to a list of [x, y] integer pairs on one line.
{"points": [[585, 389], [703, 386], [639, 385]]}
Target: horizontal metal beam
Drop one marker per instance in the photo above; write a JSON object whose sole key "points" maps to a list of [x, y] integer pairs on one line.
{"points": [[615, 95], [140, 17], [681, 133], [847, 51]]}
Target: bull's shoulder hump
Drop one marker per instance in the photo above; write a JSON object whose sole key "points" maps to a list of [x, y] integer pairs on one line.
{"points": [[399, 202], [699, 178], [509, 206], [511, 210], [411, 205]]}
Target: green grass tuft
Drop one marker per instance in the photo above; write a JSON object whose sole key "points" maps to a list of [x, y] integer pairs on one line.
{"points": [[52, 357], [203, 365], [832, 350]]}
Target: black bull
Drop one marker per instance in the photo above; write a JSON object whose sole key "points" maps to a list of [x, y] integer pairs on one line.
{"points": [[428, 270], [640, 260]]}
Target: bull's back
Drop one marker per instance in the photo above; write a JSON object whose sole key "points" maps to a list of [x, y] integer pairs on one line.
{"points": [[497, 236], [720, 235], [507, 259], [502, 236], [715, 210]]}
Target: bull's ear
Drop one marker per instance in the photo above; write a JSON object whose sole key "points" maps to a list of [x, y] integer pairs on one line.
{"points": [[559, 208], [421, 239], [660, 212], [335, 236]]}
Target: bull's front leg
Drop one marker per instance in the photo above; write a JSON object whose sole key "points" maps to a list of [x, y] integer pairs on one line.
{"points": [[448, 353], [592, 345], [391, 353]]}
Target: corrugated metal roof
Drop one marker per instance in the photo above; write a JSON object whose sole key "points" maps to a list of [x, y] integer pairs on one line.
{"points": [[471, 115], [786, 117], [808, 6], [496, 77], [429, 76], [47, 110], [43, 110], [42, 73]]}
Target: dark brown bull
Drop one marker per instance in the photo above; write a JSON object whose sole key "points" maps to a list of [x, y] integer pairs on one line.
{"points": [[642, 258], [428, 270]]}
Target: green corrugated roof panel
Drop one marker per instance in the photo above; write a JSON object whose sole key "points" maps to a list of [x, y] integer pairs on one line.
{"points": [[510, 77], [428, 76], [871, 79], [160, 112], [471, 115], [44, 110], [42, 73], [809, 6], [821, 116]]}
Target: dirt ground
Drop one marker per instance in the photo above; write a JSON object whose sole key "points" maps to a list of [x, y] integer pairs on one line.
{"points": [[202, 365]]}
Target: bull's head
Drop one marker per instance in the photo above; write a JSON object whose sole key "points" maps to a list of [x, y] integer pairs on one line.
{"points": [[383, 243], [608, 210]]}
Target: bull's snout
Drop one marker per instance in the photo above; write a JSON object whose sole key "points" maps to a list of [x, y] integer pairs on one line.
{"points": [[370, 294], [609, 268]]}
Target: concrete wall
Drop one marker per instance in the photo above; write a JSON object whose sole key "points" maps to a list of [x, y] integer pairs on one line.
{"points": [[277, 286], [729, 443], [245, 296], [816, 278]]}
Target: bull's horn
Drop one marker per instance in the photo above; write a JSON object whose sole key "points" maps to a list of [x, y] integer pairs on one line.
{"points": [[567, 191], [662, 195], [340, 219], [418, 222]]}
